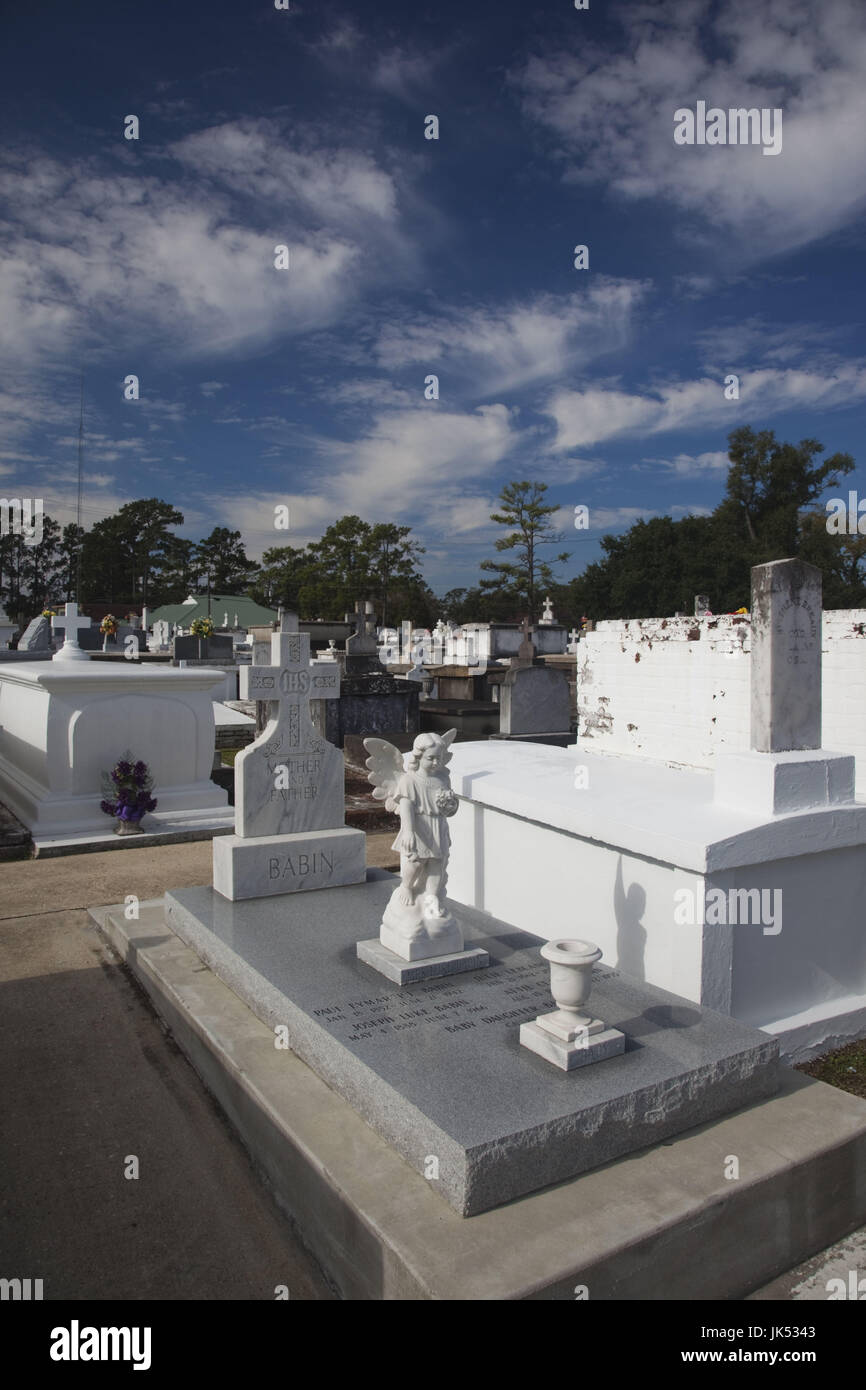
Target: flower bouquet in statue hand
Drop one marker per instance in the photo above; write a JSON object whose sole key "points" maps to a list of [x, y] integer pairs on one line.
{"points": [[126, 794], [416, 923]]}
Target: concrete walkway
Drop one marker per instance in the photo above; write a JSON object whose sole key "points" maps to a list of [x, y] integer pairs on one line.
{"points": [[91, 1081]]}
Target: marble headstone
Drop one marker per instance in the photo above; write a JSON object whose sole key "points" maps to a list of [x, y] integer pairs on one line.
{"points": [[786, 656], [37, 636], [313, 795], [786, 769], [290, 831]]}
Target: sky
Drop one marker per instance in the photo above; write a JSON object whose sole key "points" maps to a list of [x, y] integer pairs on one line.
{"points": [[409, 257]]}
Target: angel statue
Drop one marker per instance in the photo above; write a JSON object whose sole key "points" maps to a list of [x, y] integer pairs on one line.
{"points": [[416, 923]]}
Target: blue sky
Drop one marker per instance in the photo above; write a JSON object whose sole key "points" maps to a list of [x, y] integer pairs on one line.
{"points": [[410, 256]]}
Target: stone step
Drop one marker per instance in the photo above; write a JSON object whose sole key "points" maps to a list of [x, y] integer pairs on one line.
{"points": [[16, 842], [666, 1223]]}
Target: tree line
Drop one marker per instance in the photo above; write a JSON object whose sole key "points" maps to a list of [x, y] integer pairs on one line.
{"points": [[770, 511]]}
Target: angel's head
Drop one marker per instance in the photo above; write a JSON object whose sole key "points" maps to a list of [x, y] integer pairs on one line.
{"points": [[429, 754]]}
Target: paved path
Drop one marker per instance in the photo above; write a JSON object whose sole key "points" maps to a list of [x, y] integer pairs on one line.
{"points": [[89, 1080]]}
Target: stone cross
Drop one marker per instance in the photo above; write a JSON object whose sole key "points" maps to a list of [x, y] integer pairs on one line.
{"points": [[547, 615], [526, 651], [290, 779], [786, 657], [70, 624], [573, 638]]}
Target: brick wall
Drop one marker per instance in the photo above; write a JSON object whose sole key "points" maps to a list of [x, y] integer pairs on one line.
{"points": [[677, 689]]}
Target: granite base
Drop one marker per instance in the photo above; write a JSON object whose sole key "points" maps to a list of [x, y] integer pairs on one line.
{"points": [[272, 865], [570, 1055], [436, 1067], [663, 1224], [405, 972]]}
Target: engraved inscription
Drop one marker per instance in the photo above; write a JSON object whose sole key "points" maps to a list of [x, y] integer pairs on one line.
{"points": [[524, 991]]}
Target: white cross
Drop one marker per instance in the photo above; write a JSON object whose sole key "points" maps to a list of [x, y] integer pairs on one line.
{"points": [[70, 624], [289, 683], [573, 638]]}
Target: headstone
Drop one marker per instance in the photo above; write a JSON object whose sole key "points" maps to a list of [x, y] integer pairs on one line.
{"points": [[217, 647], [573, 639], [547, 616], [37, 636], [290, 831], [702, 605], [70, 624], [786, 769], [534, 700], [526, 652], [786, 656]]}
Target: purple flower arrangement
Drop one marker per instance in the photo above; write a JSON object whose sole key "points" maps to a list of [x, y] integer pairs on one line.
{"points": [[126, 790]]}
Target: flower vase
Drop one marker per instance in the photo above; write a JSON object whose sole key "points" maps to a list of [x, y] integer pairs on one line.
{"points": [[571, 965], [128, 827]]}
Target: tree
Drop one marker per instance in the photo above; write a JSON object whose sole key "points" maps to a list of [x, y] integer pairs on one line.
{"points": [[391, 558], [770, 483], [178, 573], [123, 556], [283, 576], [222, 555], [30, 575], [658, 566], [70, 549], [524, 509]]}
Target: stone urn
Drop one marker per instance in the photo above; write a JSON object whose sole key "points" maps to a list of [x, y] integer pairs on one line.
{"points": [[571, 965]]}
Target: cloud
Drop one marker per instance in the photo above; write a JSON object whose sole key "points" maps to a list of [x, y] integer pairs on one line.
{"points": [[583, 418], [419, 465], [694, 465], [187, 261], [488, 350], [210, 388], [611, 115]]}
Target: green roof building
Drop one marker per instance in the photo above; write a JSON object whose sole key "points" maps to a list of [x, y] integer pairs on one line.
{"points": [[224, 608]]}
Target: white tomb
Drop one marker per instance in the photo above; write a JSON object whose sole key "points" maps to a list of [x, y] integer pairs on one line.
{"points": [[64, 723], [744, 891]]}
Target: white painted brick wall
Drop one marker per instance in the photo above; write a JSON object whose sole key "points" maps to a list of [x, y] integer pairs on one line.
{"points": [[677, 689]]}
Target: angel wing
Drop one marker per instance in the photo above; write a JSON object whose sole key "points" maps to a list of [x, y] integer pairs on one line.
{"points": [[386, 768], [446, 740]]}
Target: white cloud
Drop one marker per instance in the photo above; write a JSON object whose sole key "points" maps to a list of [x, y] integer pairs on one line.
{"points": [[187, 261], [419, 466], [694, 465], [489, 350], [598, 413], [612, 114]]}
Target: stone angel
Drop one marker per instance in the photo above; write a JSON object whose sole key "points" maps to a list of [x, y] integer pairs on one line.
{"points": [[416, 923]]}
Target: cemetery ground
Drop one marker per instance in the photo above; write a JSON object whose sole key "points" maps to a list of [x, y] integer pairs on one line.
{"points": [[92, 1078]]}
